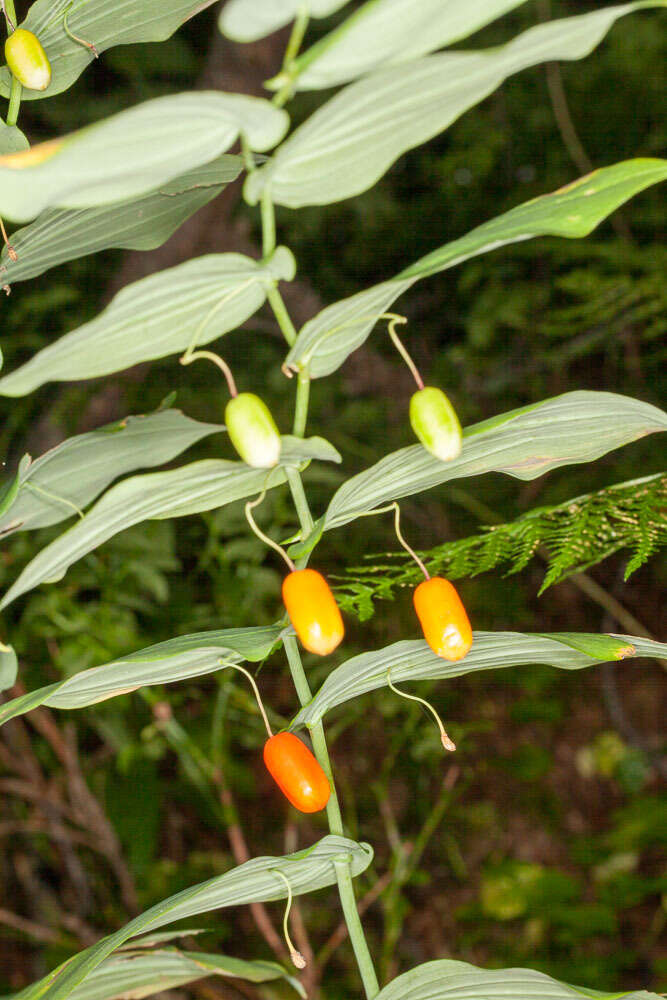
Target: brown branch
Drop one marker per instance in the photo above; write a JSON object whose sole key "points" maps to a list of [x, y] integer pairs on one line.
{"points": [[567, 128]]}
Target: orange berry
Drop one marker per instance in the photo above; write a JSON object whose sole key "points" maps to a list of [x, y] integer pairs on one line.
{"points": [[313, 611], [443, 618], [296, 772]]}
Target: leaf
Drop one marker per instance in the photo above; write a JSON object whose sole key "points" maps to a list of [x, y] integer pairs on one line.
{"points": [[350, 142], [413, 660], [387, 32], [134, 151], [142, 223], [570, 537], [190, 489], [296, 451], [249, 20], [460, 981], [165, 663], [253, 882], [573, 211], [102, 23], [192, 303], [133, 975], [12, 139], [9, 666], [73, 473], [601, 647], [569, 429]]}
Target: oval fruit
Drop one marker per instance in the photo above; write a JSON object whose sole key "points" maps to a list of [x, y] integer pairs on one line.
{"points": [[252, 430], [435, 423], [313, 611], [27, 60], [443, 618], [296, 772]]}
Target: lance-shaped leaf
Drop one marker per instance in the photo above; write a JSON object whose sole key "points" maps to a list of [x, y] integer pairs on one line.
{"points": [[165, 663], [137, 974], [460, 981], [569, 429], [573, 211], [248, 20], [133, 152], [253, 882], [63, 480], [141, 223], [350, 142], [100, 23], [387, 32], [191, 489], [192, 303], [414, 660]]}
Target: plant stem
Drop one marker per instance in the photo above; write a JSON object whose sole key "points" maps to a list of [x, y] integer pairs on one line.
{"points": [[302, 398], [16, 88], [355, 929], [268, 224], [281, 314], [343, 876], [320, 749]]}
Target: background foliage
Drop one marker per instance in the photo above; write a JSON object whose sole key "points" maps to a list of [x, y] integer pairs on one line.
{"points": [[541, 844]]}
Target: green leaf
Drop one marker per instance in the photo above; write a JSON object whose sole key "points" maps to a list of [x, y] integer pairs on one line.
{"points": [[350, 142], [249, 20], [101, 23], [9, 666], [73, 473], [296, 451], [134, 975], [569, 429], [573, 211], [570, 536], [165, 663], [143, 223], [192, 303], [387, 32], [12, 139], [413, 660], [134, 152], [604, 648], [253, 882], [460, 981], [191, 489]]}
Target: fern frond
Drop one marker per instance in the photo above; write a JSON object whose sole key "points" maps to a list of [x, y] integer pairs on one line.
{"points": [[571, 537]]}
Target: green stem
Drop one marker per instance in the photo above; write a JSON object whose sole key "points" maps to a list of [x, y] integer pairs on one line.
{"points": [[268, 224], [281, 314], [335, 819], [14, 102], [302, 398], [343, 874], [16, 88]]}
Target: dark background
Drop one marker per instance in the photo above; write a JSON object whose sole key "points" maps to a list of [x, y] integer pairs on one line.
{"points": [[539, 843]]}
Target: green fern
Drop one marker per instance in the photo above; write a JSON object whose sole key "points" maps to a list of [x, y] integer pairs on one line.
{"points": [[571, 537]]}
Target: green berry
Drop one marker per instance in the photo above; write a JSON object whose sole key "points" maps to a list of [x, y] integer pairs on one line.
{"points": [[252, 430], [27, 60], [435, 423]]}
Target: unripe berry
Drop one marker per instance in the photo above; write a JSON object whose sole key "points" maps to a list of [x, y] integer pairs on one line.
{"points": [[27, 60], [435, 423], [252, 430]]}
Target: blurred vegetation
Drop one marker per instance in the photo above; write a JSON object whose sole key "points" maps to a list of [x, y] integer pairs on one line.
{"points": [[543, 843]]}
